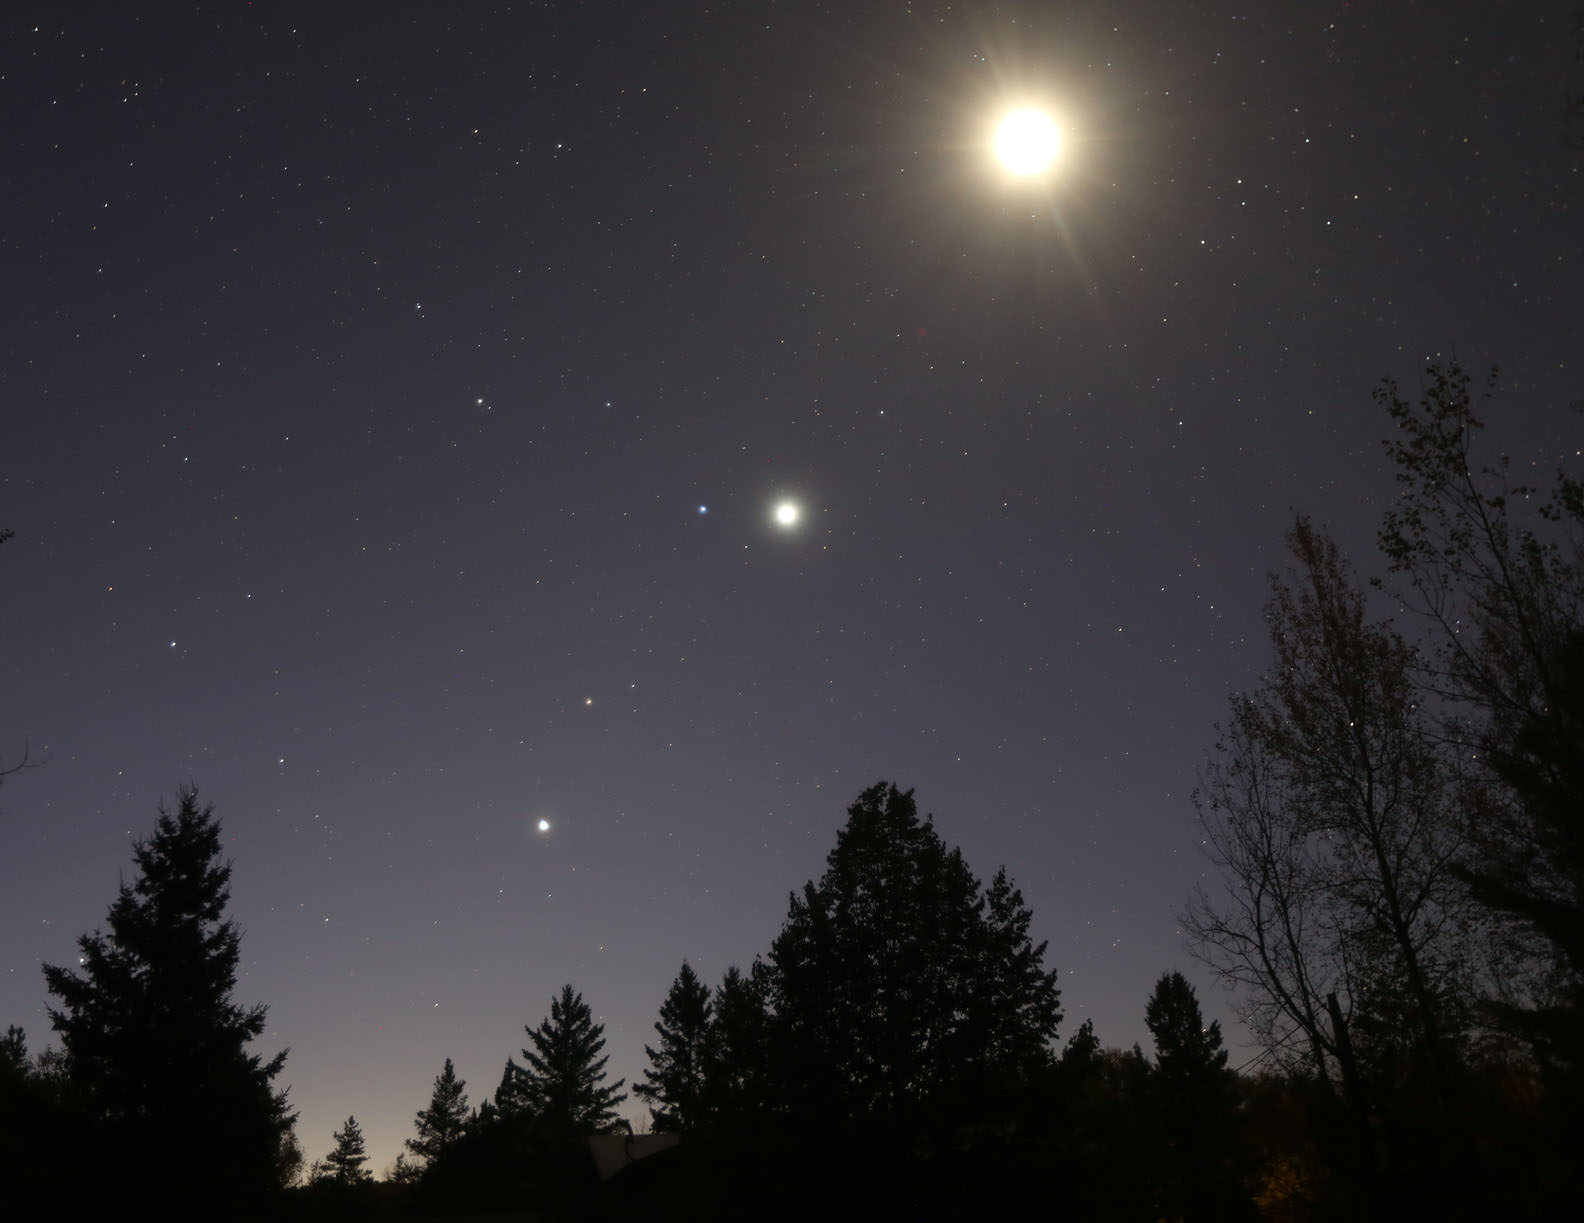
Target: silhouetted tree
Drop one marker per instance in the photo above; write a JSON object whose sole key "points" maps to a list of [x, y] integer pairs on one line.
{"points": [[446, 1118], [13, 1052], [897, 982], [404, 1171], [1505, 596], [675, 1079], [1187, 1051], [39, 1134], [563, 1083], [488, 1166], [1331, 811], [344, 1165], [1082, 1047], [737, 1046], [155, 1050], [1199, 1163], [1544, 775], [510, 1100], [1019, 1004], [1106, 1134]]}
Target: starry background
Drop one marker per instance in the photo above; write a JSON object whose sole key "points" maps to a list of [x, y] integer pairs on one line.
{"points": [[366, 370]]}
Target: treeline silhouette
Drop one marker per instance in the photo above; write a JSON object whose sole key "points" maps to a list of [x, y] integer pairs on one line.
{"points": [[1396, 826]]}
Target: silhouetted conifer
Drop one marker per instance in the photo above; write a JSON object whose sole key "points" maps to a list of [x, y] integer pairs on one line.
{"points": [[899, 985], [1081, 1049], [13, 1052], [563, 1083], [155, 1050], [344, 1165], [445, 1120], [737, 1046], [510, 1101], [674, 1082], [39, 1137], [1198, 1162]]}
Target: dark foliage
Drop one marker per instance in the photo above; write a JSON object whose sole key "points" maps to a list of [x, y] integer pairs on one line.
{"points": [[737, 1047], [36, 1129], [156, 1061], [1330, 810], [344, 1166], [1496, 570], [444, 1122], [1402, 829], [674, 1083], [1105, 1135], [1504, 596], [1197, 1162], [562, 1085], [14, 1061], [510, 1098], [775, 1171], [487, 1169], [898, 985], [1544, 772]]}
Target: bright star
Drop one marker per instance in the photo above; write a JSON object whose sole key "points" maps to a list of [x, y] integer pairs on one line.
{"points": [[544, 825], [786, 514]]}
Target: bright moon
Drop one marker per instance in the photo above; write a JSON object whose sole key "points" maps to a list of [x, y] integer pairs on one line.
{"points": [[786, 513], [1027, 141]]}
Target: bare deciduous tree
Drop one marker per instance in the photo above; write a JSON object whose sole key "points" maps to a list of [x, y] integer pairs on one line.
{"points": [[1330, 811]]}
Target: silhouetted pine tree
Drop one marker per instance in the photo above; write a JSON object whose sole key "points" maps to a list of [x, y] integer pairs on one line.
{"points": [[563, 1084], [509, 1102], [1077, 1057], [155, 1050], [675, 1078], [344, 1165], [1198, 1162], [39, 1140], [445, 1120], [736, 1047], [13, 1052], [1015, 994]]}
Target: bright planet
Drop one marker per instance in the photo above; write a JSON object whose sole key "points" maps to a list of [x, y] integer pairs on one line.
{"points": [[1027, 141]]}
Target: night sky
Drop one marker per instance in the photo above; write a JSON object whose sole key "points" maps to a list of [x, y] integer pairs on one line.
{"points": [[397, 398]]}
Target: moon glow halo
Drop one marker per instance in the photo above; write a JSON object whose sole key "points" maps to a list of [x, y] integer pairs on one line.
{"points": [[1027, 141]]}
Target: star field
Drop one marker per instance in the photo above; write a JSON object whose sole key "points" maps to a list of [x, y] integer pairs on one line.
{"points": [[398, 402]]}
